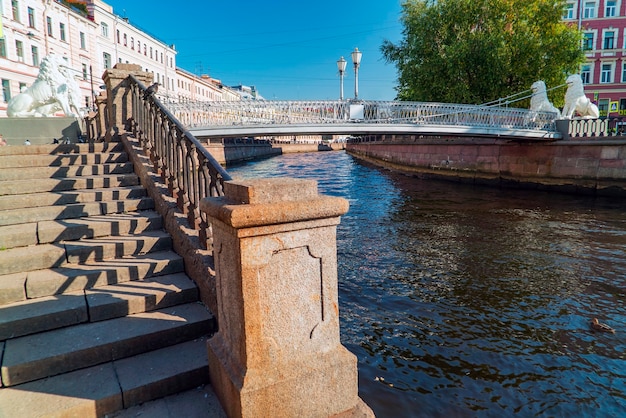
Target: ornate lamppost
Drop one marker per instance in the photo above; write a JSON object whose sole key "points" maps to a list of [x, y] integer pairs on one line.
{"points": [[356, 59], [341, 66]]}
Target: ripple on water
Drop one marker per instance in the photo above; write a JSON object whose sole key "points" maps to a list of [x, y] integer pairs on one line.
{"points": [[464, 301]]}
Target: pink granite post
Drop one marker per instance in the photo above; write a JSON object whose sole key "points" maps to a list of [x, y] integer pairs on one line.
{"points": [[277, 352], [119, 105]]}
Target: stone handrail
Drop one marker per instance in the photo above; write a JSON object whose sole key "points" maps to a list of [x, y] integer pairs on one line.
{"points": [[185, 166], [277, 351], [597, 128]]}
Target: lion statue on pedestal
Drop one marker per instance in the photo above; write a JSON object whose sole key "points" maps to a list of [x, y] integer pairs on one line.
{"points": [[55, 89], [576, 101], [539, 101]]}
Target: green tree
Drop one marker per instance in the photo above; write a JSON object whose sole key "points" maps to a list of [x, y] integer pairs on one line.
{"points": [[476, 51]]}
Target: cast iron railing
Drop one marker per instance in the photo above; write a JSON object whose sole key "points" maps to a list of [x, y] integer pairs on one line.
{"points": [[185, 166], [271, 112]]}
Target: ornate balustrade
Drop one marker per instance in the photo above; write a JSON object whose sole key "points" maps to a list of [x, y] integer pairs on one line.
{"points": [[262, 112], [601, 127], [185, 166]]}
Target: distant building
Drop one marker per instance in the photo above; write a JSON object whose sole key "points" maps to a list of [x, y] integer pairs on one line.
{"points": [[117, 40], [603, 23], [91, 38], [191, 88], [247, 92]]}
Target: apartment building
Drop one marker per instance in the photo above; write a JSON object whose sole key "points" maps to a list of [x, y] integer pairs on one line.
{"points": [[603, 23], [193, 88], [33, 29], [91, 38]]}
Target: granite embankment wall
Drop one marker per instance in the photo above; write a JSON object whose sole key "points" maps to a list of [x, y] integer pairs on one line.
{"points": [[227, 154], [234, 153], [592, 166]]}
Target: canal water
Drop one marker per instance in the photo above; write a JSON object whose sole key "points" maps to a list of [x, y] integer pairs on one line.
{"points": [[471, 301]]}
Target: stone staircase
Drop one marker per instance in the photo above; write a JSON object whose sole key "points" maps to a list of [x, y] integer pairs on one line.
{"points": [[96, 313]]}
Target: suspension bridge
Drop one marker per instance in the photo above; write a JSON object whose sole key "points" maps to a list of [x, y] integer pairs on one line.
{"points": [[261, 118]]}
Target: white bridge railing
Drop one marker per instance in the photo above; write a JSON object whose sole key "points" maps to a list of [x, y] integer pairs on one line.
{"points": [[269, 112]]}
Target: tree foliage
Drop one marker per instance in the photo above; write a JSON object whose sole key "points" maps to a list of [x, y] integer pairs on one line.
{"points": [[476, 51]]}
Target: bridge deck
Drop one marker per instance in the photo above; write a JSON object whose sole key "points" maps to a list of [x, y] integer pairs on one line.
{"points": [[354, 129]]}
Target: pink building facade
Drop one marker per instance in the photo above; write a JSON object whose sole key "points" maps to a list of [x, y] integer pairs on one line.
{"points": [[603, 23]]}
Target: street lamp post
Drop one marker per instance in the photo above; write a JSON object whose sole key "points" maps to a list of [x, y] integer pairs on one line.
{"points": [[341, 65], [356, 59]]}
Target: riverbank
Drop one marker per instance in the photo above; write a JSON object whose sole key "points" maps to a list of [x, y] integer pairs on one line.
{"points": [[237, 152], [590, 166]]}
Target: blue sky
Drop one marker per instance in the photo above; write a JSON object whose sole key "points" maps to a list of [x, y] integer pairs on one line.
{"points": [[287, 49]]}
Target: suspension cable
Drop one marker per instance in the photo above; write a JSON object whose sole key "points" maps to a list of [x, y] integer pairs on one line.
{"points": [[505, 100]]}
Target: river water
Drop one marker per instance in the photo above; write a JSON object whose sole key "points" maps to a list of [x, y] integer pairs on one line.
{"points": [[471, 301]]}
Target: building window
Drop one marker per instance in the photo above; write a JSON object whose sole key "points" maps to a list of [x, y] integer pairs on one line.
{"points": [[104, 29], [35, 54], [125, 40], [22, 87], [150, 52], [606, 75], [49, 25], [568, 13], [16, 12], [6, 90], [62, 31], [588, 41], [83, 44], [585, 73], [610, 8], [590, 10], [117, 35], [603, 106], [106, 58], [609, 39], [19, 50], [85, 72], [622, 107], [3, 48], [145, 49], [138, 46], [31, 17], [132, 43]]}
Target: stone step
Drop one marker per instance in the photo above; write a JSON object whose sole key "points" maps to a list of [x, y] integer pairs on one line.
{"points": [[52, 312], [24, 173], [55, 352], [106, 248], [105, 225], [31, 200], [199, 402], [112, 387], [23, 285], [72, 211], [55, 149], [69, 183], [46, 256], [16, 187], [60, 160]]}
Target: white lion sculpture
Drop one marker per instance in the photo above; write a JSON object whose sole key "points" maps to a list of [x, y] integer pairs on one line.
{"points": [[539, 101], [55, 89], [576, 101]]}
